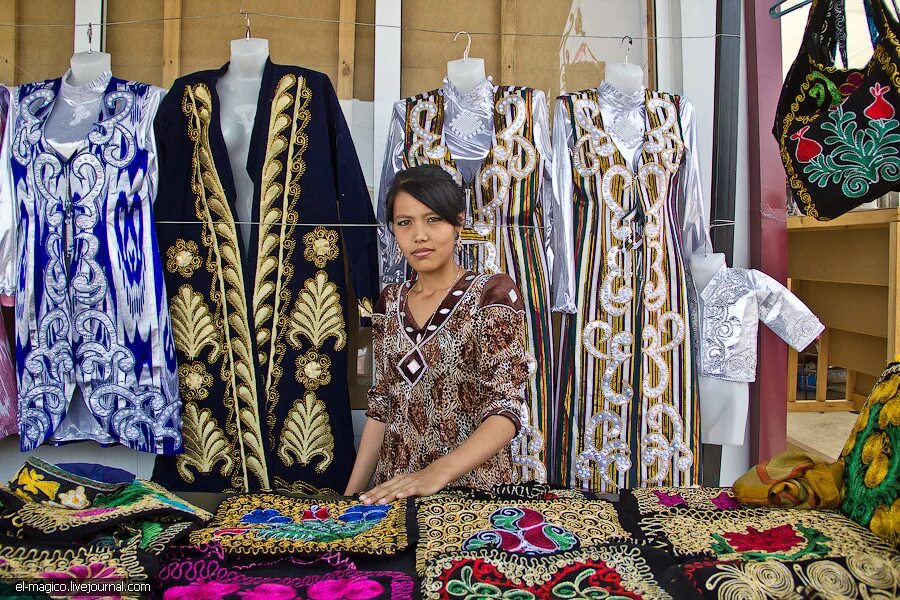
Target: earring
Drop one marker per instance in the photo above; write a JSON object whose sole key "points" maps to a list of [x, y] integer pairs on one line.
{"points": [[399, 253], [459, 245]]}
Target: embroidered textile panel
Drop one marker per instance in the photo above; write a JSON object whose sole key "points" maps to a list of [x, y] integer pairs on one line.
{"points": [[20, 559], [40, 481], [871, 465], [858, 576], [646, 501], [530, 490], [275, 524], [760, 533], [138, 501], [614, 571], [532, 528]]}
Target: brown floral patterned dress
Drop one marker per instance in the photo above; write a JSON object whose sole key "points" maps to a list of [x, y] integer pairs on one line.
{"points": [[437, 382]]}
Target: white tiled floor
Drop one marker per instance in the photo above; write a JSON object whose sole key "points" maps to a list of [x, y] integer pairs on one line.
{"points": [[824, 433]]}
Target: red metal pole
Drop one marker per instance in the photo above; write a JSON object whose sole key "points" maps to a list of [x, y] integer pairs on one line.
{"points": [[768, 222]]}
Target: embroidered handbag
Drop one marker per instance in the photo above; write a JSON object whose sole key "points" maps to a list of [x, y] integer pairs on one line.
{"points": [[837, 129]]}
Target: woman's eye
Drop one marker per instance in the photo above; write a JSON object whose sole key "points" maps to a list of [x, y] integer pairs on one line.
{"points": [[434, 219], [403, 223]]}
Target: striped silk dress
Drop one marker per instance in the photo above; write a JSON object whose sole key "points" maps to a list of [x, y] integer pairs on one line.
{"points": [[495, 142], [627, 393]]}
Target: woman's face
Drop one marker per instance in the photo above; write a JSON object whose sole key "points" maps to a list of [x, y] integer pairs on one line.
{"points": [[425, 238]]}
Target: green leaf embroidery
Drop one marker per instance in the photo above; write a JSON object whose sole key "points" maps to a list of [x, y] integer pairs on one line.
{"points": [[859, 157]]}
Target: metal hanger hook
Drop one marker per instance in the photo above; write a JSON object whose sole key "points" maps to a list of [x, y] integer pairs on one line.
{"points": [[247, 30], [468, 44], [90, 34], [630, 44]]}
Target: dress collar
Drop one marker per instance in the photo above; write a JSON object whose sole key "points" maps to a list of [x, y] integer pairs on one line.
{"points": [[613, 97], [483, 92], [88, 90]]}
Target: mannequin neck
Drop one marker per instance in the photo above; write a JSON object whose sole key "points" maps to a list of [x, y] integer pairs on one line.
{"points": [[625, 77], [704, 267], [248, 58], [466, 73], [88, 66]]}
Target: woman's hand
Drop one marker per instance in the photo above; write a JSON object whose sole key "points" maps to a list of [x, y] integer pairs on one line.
{"points": [[426, 482]]}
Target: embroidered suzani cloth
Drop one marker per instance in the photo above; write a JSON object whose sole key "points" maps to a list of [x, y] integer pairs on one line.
{"points": [[131, 506], [523, 527], [435, 383], [760, 534], [277, 524], [261, 335], [40, 481], [858, 576], [611, 571], [94, 347], [211, 578], [732, 304], [627, 409], [871, 470], [76, 563], [648, 501]]}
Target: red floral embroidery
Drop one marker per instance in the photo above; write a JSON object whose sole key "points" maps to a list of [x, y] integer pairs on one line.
{"points": [[854, 80], [669, 500], [603, 577], [880, 108], [807, 149], [725, 501], [315, 513], [776, 539]]}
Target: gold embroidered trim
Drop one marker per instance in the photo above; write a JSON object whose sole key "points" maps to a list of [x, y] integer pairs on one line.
{"points": [[317, 314], [307, 434], [183, 258], [278, 218], [444, 525], [50, 519], [20, 562], [208, 444], [536, 571], [301, 487], [220, 236]]}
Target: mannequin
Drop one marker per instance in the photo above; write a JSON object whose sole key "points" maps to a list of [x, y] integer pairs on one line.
{"points": [[465, 73], [87, 66], [238, 91], [625, 77], [724, 405]]}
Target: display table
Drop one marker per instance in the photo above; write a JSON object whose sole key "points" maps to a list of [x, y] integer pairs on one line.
{"points": [[846, 270]]}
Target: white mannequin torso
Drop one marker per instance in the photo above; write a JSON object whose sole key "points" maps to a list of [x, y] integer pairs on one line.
{"points": [[87, 66], [466, 73], [625, 77], [724, 405], [238, 91]]}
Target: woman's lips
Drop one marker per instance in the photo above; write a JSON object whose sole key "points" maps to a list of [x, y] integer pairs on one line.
{"points": [[423, 253]]}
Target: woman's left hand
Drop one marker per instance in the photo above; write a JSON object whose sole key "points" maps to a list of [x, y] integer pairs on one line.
{"points": [[426, 482]]}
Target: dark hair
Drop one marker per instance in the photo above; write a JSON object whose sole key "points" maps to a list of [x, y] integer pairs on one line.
{"points": [[432, 186]]}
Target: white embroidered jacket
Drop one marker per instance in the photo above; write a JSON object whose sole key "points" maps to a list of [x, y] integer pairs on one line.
{"points": [[732, 304]]}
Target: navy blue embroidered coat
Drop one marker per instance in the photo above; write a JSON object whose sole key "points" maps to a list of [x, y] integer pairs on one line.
{"points": [[261, 336]]}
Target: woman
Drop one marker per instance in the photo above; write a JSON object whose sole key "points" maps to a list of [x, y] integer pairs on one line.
{"points": [[450, 361]]}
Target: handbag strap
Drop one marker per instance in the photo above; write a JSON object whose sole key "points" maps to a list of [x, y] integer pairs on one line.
{"points": [[826, 28]]}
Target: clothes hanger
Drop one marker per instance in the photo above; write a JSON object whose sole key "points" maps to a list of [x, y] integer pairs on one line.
{"points": [[775, 10], [468, 43], [630, 44]]}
